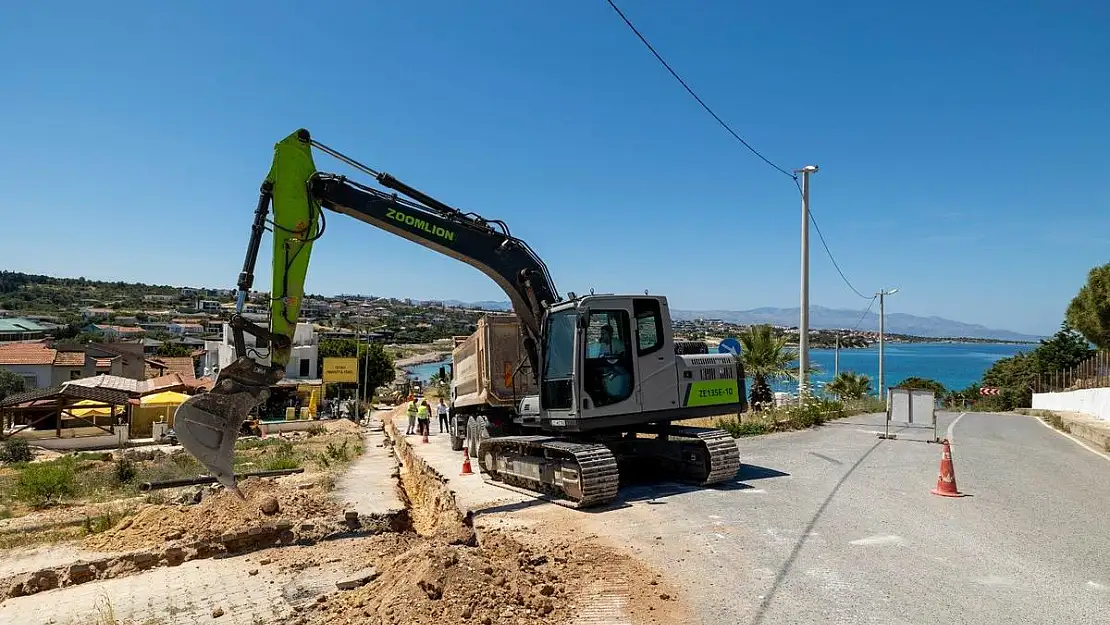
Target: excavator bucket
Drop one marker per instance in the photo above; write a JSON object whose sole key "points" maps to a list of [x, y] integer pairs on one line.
{"points": [[207, 426]]}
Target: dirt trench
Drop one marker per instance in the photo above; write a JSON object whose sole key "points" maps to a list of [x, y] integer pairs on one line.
{"points": [[432, 511]]}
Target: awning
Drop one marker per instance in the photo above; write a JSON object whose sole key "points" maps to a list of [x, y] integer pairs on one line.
{"points": [[165, 398]]}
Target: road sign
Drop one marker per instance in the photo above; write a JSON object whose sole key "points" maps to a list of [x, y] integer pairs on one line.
{"points": [[987, 390], [729, 346]]}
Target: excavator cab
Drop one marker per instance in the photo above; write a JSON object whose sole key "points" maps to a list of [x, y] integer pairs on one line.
{"points": [[610, 360]]}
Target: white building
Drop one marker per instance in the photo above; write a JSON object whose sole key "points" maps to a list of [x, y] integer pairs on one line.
{"points": [[303, 365], [208, 306]]}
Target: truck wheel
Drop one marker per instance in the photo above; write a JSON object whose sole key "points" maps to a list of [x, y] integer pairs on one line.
{"points": [[477, 430], [457, 436]]}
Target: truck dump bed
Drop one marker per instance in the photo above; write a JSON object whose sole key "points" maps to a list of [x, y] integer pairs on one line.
{"points": [[485, 365]]}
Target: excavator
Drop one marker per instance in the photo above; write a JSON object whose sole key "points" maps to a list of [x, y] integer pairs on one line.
{"points": [[610, 375]]}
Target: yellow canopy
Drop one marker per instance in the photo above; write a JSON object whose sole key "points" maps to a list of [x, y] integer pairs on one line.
{"points": [[97, 409], [165, 398]]}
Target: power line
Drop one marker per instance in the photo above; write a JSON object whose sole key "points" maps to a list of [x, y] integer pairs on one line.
{"points": [[705, 106], [832, 258], [864, 315], [736, 136]]}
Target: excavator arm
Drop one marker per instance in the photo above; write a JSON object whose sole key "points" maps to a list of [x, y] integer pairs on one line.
{"points": [[207, 425]]}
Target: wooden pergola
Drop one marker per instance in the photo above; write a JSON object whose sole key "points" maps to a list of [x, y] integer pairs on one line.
{"points": [[58, 403]]}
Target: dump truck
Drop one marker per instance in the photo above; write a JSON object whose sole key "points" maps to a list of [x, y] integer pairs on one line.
{"points": [[491, 375]]}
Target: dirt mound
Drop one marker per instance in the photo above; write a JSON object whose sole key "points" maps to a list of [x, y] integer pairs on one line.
{"points": [[342, 426], [218, 513], [425, 582]]}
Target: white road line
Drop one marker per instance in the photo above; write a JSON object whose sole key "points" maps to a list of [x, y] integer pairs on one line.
{"points": [[878, 540], [1075, 440], [952, 426]]}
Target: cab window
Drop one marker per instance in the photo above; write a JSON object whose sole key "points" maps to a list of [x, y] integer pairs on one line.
{"points": [[608, 357], [649, 326]]}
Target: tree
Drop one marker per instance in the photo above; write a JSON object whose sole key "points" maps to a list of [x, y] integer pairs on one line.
{"points": [[849, 385], [1089, 310], [765, 358], [924, 384], [170, 350], [375, 365], [10, 383], [1063, 350], [1014, 377]]}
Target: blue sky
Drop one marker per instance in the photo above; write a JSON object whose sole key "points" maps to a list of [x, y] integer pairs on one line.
{"points": [[959, 143]]}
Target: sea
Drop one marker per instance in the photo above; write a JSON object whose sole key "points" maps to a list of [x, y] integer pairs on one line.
{"points": [[955, 365]]}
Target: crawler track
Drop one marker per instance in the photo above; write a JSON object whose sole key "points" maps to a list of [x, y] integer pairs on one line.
{"points": [[596, 466], [724, 456]]}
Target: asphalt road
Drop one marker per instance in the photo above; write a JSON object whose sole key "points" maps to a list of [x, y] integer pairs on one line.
{"points": [[833, 525]]}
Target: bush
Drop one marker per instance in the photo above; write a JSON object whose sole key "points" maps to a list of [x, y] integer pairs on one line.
{"points": [[738, 428], [45, 483], [15, 450], [338, 452], [125, 470]]}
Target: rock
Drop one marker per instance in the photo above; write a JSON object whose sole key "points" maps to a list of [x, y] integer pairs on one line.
{"points": [[486, 620], [538, 560], [467, 612], [264, 561], [174, 534], [432, 586], [217, 612], [546, 606], [664, 596], [269, 506], [360, 578], [252, 572], [547, 590], [653, 582], [305, 486], [321, 599]]}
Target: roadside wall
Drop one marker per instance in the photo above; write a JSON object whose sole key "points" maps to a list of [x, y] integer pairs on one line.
{"points": [[1090, 401]]}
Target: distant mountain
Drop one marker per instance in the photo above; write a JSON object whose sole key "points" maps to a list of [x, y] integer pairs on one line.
{"points": [[821, 318], [832, 318]]}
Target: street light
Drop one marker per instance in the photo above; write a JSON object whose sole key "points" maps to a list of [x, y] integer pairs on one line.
{"points": [[803, 325], [882, 338]]}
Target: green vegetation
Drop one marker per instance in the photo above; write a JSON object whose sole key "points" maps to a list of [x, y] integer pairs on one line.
{"points": [[170, 350], [15, 450], [797, 416], [849, 385], [10, 383], [44, 483], [923, 384], [766, 358], [1089, 311], [1016, 376]]}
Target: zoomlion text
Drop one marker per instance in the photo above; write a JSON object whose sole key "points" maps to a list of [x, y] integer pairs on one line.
{"points": [[419, 224]]}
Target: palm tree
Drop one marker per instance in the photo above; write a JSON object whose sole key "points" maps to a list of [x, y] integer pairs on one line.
{"points": [[849, 385], [765, 358]]}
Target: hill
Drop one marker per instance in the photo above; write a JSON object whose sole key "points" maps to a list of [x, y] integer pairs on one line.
{"points": [[832, 318], [821, 318]]}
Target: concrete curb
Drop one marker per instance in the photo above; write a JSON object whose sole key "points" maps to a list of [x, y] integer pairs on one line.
{"points": [[1094, 431]]}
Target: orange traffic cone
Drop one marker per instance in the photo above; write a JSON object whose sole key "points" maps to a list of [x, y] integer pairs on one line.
{"points": [[466, 470], [946, 481]]}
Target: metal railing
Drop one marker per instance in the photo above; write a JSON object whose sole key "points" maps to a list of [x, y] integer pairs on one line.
{"points": [[1091, 373]]}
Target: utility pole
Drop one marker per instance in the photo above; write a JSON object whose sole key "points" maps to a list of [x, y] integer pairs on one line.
{"points": [[836, 356], [882, 338], [803, 325]]}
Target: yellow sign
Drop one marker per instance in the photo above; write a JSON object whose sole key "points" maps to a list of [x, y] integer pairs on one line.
{"points": [[340, 370]]}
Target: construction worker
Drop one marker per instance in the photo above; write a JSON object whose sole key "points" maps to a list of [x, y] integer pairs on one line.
{"points": [[412, 410], [441, 410], [424, 418]]}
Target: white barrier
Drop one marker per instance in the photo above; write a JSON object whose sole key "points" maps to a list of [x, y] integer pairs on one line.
{"points": [[1094, 402], [912, 407]]}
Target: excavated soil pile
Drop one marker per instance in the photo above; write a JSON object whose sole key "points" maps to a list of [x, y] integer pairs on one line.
{"points": [[218, 513], [426, 582], [342, 426]]}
